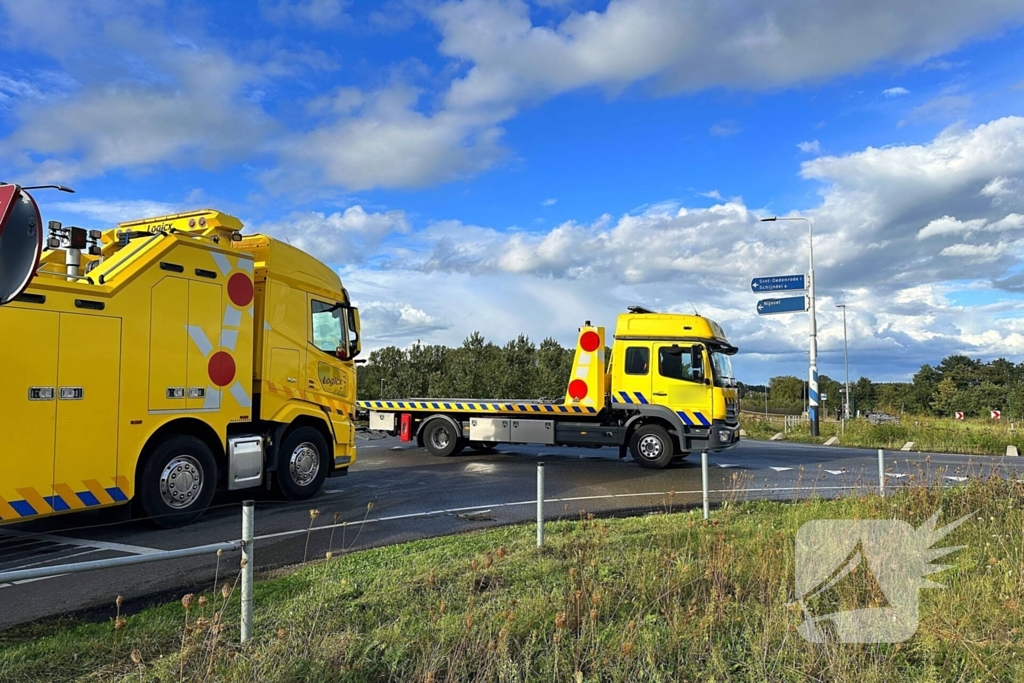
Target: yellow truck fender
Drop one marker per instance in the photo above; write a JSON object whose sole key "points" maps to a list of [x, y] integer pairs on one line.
{"points": [[288, 415], [654, 413]]}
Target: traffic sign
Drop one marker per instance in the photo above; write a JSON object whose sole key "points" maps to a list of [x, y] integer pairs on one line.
{"points": [[778, 283], [996, 414], [959, 415], [790, 304]]}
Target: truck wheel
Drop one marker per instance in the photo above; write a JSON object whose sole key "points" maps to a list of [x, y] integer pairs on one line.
{"points": [[178, 481], [441, 439], [302, 462], [652, 447]]}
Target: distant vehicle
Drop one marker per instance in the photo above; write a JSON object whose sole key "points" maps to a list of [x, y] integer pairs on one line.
{"points": [[169, 357], [882, 418], [668, 389]]}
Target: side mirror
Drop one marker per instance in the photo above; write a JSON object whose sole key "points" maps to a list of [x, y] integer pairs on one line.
{"points": [[341, 352], [697, 363], [354, 344]]}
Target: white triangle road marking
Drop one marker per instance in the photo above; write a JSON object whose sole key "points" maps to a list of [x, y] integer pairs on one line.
{"points": [[780, 469], [956, 478]]}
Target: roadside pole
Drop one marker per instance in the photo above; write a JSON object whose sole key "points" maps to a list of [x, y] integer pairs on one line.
{"points": [[540, 504], [704, 479], [248, 532], [881, 473]]}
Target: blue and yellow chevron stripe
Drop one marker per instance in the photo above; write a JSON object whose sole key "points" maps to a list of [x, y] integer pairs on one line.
{"points": [[448, 405], [693, 418], [626, 397], [64, 498]]}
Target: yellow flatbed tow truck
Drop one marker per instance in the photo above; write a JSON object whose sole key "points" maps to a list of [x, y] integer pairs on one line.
{"points": [[666, 391]]}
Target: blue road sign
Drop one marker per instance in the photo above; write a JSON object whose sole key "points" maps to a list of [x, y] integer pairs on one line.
{"points": [[789, 304], [778, 283]]}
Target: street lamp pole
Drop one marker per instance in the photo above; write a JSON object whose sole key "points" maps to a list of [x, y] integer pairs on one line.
{"points": [[812, 371]]}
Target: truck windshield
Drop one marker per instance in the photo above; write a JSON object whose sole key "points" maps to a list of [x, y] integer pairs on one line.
{"points": [[723, 369]]}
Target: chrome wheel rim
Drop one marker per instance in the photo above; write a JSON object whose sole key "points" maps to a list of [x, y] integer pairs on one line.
{"points": [[650, 447], [304, 464], [181, 482], [440, 438]]}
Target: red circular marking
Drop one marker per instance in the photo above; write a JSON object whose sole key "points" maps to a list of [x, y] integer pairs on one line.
{"points": [[240, 289], [221, 368], [590, 341], [577, 389]]}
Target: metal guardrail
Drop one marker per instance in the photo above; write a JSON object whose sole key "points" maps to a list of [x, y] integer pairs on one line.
{"points": [[247, 564], [75, 567]]}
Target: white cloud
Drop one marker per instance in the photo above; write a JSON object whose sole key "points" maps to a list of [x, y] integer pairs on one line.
{"points": [[685, 46], [347, 237], [380, 139], [549, 202], [109, 213], [725, 128], [895, 92], [711, 194], [384, 321], [812, 147]]}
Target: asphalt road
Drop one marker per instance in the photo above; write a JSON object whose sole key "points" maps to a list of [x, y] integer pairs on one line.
{"points": [[416, 495]]}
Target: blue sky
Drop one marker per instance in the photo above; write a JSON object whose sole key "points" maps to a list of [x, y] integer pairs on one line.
{"points": [[510, 166]]}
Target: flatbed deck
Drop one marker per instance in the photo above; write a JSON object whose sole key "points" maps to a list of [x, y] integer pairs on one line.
{"points": [[462, 405]]}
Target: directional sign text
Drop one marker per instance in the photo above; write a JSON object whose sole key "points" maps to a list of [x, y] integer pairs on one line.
{"points": [[791, 304], [778, 283]]}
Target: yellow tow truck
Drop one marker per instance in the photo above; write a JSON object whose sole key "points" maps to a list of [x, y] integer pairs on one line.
{"points": [[166, 358], [666, 391]]}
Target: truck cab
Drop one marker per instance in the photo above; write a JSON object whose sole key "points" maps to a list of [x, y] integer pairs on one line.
{"points": [[677, 368]]}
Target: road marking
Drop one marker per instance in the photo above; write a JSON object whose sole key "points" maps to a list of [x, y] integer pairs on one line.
{"points": [[724, 465], [897, 475], [836, 471], [780, 469], [956, 478], [573, 499], [83, 542]]}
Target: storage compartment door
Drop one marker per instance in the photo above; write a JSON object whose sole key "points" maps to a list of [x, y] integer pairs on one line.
{"points": [[28, 410], [168, 344], [88, 382]]}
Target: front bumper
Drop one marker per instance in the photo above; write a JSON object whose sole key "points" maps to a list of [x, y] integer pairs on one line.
{"points": [[722, 435]]}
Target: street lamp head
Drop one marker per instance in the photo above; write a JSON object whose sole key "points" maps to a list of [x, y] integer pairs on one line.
{"points": [[770, 220], [840, 305]]}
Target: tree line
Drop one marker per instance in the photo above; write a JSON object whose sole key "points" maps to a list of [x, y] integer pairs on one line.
{"points": [[957, 384], [521, 369], [477, 369]]}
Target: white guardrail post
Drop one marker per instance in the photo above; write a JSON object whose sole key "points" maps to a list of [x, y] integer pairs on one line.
{"points": [[881, 473], [704, 479], [540, 504], [248, 532]]}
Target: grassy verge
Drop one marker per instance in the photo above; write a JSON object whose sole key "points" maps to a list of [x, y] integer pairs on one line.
{"points": [[935, 435], [664, 597]]}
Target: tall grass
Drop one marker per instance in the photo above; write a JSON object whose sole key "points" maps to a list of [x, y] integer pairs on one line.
{"points": [[936, 435], [663, 597]]}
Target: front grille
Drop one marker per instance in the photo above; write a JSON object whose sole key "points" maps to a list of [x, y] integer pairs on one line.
{"points": [[732, 411]]}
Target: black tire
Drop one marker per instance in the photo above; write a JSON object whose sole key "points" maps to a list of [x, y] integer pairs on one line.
{"points": [[302, 463], [482, 447], [441, 439], [177, 481], [652, 447]]}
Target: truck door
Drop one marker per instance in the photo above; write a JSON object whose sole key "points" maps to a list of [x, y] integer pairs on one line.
{"points": [[28, 404], [633, 383], [675, 384], [326, 373], [88, 393]]}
